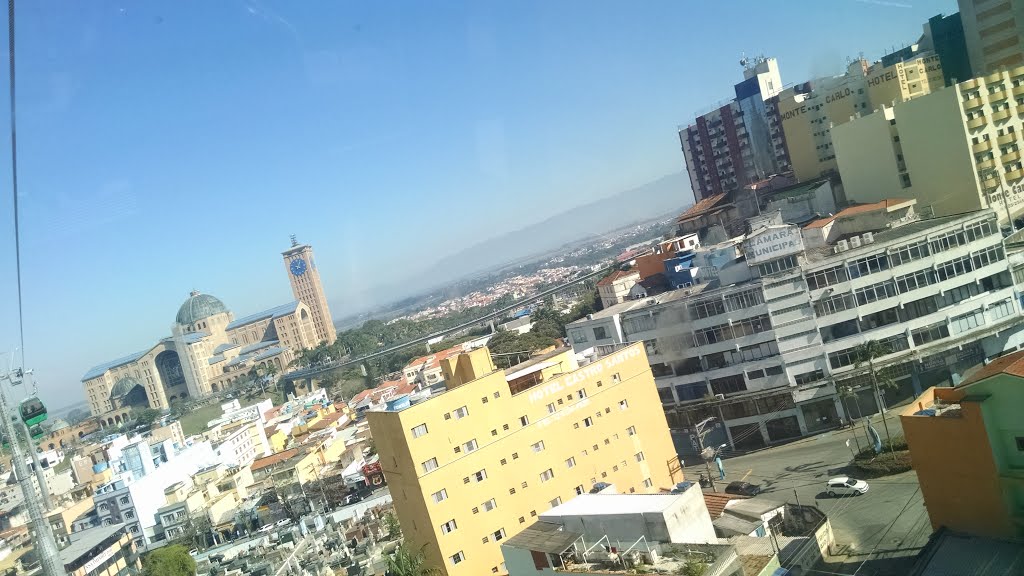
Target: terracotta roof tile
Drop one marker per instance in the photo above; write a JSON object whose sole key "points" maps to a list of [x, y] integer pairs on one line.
{"points": [[607, 280], [704, 205], [858, 209], [275, 458], [717, 502], [1012, 364]]}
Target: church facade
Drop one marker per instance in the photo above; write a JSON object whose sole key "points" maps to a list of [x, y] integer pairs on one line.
{"points": [[209, 350]]}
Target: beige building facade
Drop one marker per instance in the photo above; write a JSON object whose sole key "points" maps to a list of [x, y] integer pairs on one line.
{"points": [[992, 30], [208, 350], [954, 150], [809, 117]]}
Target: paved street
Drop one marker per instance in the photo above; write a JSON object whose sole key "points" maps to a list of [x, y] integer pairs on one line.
{"points": [[861, 523]]}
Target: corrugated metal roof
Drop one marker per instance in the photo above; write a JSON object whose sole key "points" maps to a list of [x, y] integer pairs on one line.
{"points": [[271, 313], [544, 537], [99, 370]]}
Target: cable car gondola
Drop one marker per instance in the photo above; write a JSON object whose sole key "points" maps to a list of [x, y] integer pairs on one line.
{"points": [[33, 411]]}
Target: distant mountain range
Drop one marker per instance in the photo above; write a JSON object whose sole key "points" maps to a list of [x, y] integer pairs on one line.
{"points": [[665, 196]]}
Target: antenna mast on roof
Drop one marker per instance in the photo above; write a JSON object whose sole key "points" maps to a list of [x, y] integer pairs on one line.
{"points": [[294, 241]]}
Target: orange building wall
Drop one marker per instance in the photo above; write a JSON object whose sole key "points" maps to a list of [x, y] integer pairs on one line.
{"points": [[955, 467], [650, 264]]}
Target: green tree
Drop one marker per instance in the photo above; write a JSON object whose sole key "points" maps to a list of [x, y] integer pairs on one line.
{"points": [[866, 353], [173, 560], [146, 415], [408, 561], [390, 522]]}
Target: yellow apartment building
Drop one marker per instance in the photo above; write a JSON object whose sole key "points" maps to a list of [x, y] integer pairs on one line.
{"points": [[954, 150], [477, 463]]}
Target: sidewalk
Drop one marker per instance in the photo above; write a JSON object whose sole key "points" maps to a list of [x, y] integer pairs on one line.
{"points": [[891, 415]]}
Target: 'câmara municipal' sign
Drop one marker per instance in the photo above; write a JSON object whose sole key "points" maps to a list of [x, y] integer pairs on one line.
{"points": [[771, 243]]}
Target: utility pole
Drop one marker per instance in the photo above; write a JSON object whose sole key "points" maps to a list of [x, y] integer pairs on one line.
{"points": [[45, 545], [700, 443]]}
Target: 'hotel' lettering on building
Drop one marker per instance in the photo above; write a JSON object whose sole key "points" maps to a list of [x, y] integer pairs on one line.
{"points": [[540, 393]]}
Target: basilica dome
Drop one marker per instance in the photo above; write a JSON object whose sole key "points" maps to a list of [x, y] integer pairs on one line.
{"points": [[199, 306], [123, 386]]}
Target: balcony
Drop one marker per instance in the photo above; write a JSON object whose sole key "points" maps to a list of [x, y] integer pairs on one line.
{"points": [[1002, 115], [969, 84], [998, 96], [1018, 90], [1014, 175], [1006, 139], [986, 165], [988, 182], [983, 146], [994, 77], [1012, 156], [976, 123], [973, 103]]}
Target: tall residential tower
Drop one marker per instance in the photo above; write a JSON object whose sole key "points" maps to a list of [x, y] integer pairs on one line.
{"points": [[305, 279]]}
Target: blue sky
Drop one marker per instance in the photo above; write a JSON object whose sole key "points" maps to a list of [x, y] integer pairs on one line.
{"points": [[176, 145]]}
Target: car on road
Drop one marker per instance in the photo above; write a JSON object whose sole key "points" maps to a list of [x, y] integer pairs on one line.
{"points": [[845, 486], [598, 487], [266, 528], [742, 488], [283, 523]]}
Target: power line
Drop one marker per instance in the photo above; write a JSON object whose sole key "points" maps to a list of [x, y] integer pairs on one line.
{"points": [[14, 175], [891, 524]]}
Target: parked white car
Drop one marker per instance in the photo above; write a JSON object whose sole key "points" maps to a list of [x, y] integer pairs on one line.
{"points": [[845, 486]]}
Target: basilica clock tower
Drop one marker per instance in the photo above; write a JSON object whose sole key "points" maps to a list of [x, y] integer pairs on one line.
{"points": [[306, 286]]}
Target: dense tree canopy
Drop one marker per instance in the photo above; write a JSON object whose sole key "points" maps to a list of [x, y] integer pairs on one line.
{"points": [[173, 560]]}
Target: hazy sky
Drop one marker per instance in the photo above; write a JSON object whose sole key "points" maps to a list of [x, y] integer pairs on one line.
{"points": [[165, 146]]}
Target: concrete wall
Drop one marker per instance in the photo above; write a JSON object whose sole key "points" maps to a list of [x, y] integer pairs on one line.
{"points": [[867, 158], [687, 520]]}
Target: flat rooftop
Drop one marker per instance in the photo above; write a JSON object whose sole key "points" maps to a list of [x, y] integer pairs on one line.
{"points": [[605, 504], [664, 297]]}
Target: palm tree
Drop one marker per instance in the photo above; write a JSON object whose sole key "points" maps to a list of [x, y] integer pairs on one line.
{"points": [[407, 561], [866, 353]]}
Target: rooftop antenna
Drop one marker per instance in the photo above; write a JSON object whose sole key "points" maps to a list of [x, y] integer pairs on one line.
{"points": [[294, 241]]}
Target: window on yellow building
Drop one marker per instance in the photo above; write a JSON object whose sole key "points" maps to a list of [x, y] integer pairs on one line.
{"points": [[631, 431], [457, 557], [448, 527], [420, 430], [546, 475], [538, 446], [569, 463], [489, 505], [480, 475], [430, 465], [470, 446]]}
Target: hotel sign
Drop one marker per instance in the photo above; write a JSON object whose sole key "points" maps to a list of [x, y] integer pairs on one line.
{"points": [[96, 562], [773, 243]]}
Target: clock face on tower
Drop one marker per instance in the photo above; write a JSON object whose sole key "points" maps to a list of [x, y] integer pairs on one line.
{"points": [[298, 267]]}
